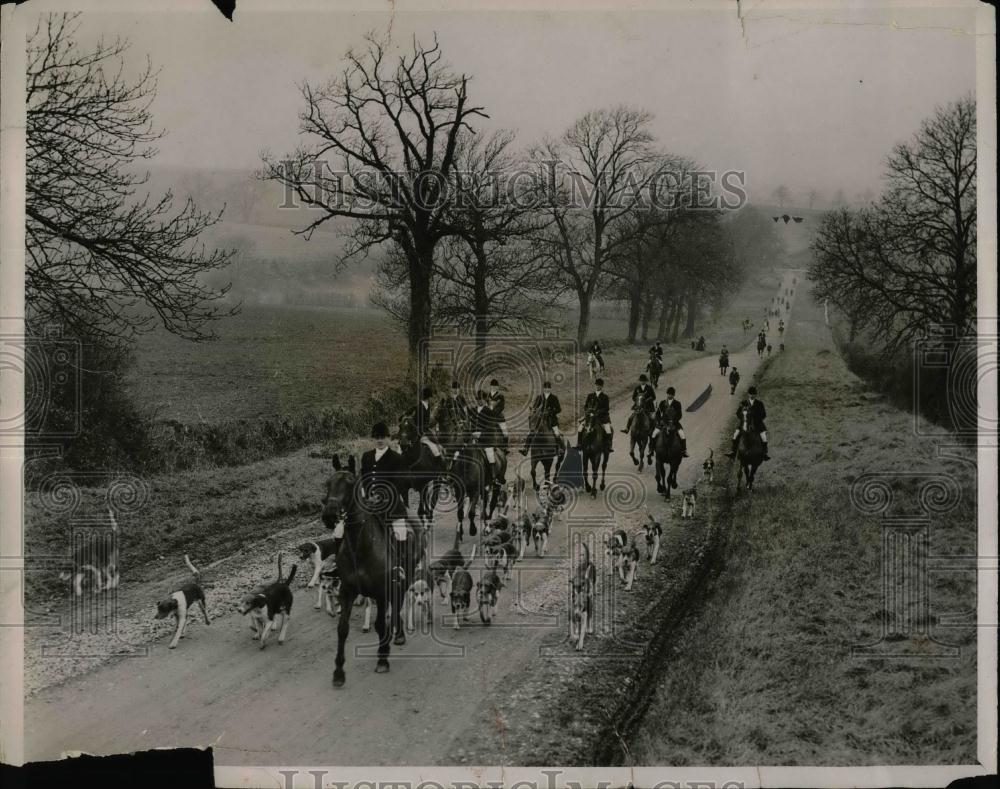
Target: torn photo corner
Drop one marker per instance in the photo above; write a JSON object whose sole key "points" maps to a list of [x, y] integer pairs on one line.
{"points": [[538, 394]]}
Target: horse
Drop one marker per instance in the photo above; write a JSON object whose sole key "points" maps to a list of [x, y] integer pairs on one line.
{"points": [[594, 366], [593, 445], [723, 363], [655, 368], [365, 565], [497, 471], [425, 468], [467, 475], [749, 453], [667, 450], [638, 435], [544, 447], [761, 344]]}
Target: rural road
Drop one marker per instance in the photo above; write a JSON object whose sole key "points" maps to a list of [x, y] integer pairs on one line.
{"points": [[278, 706]]}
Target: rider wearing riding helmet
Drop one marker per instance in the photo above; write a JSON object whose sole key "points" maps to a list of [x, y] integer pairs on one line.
{"points": [[595, 349], [671, 409], [497, 403], [422, 419], [485, 427], [756, 417], [548, 404], [456, 408], [598, 403], [644, 398]]}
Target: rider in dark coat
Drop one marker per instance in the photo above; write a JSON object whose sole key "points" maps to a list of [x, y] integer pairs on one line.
{"points": [[757, 416], [596, 350], [497, 403], [644, 398], [382, 475], [671, 408], [423, 420], [734, 380], [485, 427], [598, 402], [549, 406]]}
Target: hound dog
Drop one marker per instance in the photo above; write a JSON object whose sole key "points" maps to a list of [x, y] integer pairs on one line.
{"points": [[653, 533], [95, 558], [541, 521], [443, 570], [487, 594], [317, 551], [265, 603], [179, 602], [629, 564], [499, 551], [582, 584], [329, 585], [419, 597], [461, 591], [688, 502], [614, 545], [708, 467]]}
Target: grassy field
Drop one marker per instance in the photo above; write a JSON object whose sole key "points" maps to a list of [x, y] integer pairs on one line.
{"points": [[763, 673]]}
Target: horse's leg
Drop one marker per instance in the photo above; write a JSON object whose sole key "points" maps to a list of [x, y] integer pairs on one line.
{"points": [[397, 593], [347, 596], [384, 634], [534, 480], [642, 453], [631, 450], [604, 469]]}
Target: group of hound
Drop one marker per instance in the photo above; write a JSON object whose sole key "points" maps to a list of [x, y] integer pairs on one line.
{"points": [[505, 541]]}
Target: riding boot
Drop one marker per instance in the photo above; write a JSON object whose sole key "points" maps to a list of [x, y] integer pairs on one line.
{"points": [[736, 442], [684, 448], [765, 450]]}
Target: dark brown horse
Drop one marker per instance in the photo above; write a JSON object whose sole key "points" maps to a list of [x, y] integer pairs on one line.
{"points": [[667, 450], [366, 563], [425, 469], [593, 446], [544, 447], [638, 435], [467, 472], [749, 454]]}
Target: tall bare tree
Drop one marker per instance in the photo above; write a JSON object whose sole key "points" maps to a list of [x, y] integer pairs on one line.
{"points": [[104, 259], [595, 176], [392, 124], [909, 260]]}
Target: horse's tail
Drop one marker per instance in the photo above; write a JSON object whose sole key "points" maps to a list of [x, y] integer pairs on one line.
{"points": [[291, 574], [192, 568], [279, 566]]}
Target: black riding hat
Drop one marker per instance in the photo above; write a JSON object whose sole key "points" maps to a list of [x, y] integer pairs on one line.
{"points": [[379, 430], [599, 382], [671, 390], [455, 385], [547, 385], [752, 390], [494, 382], [643, 378], [426, 393]]}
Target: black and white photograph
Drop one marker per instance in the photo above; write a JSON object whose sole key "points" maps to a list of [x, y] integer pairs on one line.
{"points": [[528, 394]]}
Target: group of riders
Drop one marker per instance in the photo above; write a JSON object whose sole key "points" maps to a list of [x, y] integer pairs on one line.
{"points": [[484, 425]]}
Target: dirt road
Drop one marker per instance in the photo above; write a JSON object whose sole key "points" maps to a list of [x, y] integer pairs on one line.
{"points": [[278, 706]]}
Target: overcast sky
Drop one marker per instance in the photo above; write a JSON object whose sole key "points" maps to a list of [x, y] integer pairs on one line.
{"points": [[806, 99]]}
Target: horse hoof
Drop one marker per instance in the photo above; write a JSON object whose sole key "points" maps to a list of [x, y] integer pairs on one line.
{"points": [[602, 486], [382, 667], [399, 640], [472, 530], [635, 462], [338, 679]]}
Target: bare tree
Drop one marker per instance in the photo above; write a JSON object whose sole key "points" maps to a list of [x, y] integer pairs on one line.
{"points": [[101, 259], [609, 166], [393, 124], [909, 260], [782, 194]]}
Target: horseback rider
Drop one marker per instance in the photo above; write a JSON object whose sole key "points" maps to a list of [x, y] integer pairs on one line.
{"points": [[657, 351], [422, 419], [654, 366], [756, 416], [643, 398], [595, 349], [598, 404], [701, 343], [734, 380], [383, 485], [670, 410], [497, 404], [485, 429], [456, 409], [547, 405]]}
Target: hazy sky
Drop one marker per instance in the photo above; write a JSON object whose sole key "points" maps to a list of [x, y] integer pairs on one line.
{"points": [[809, 99]]}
